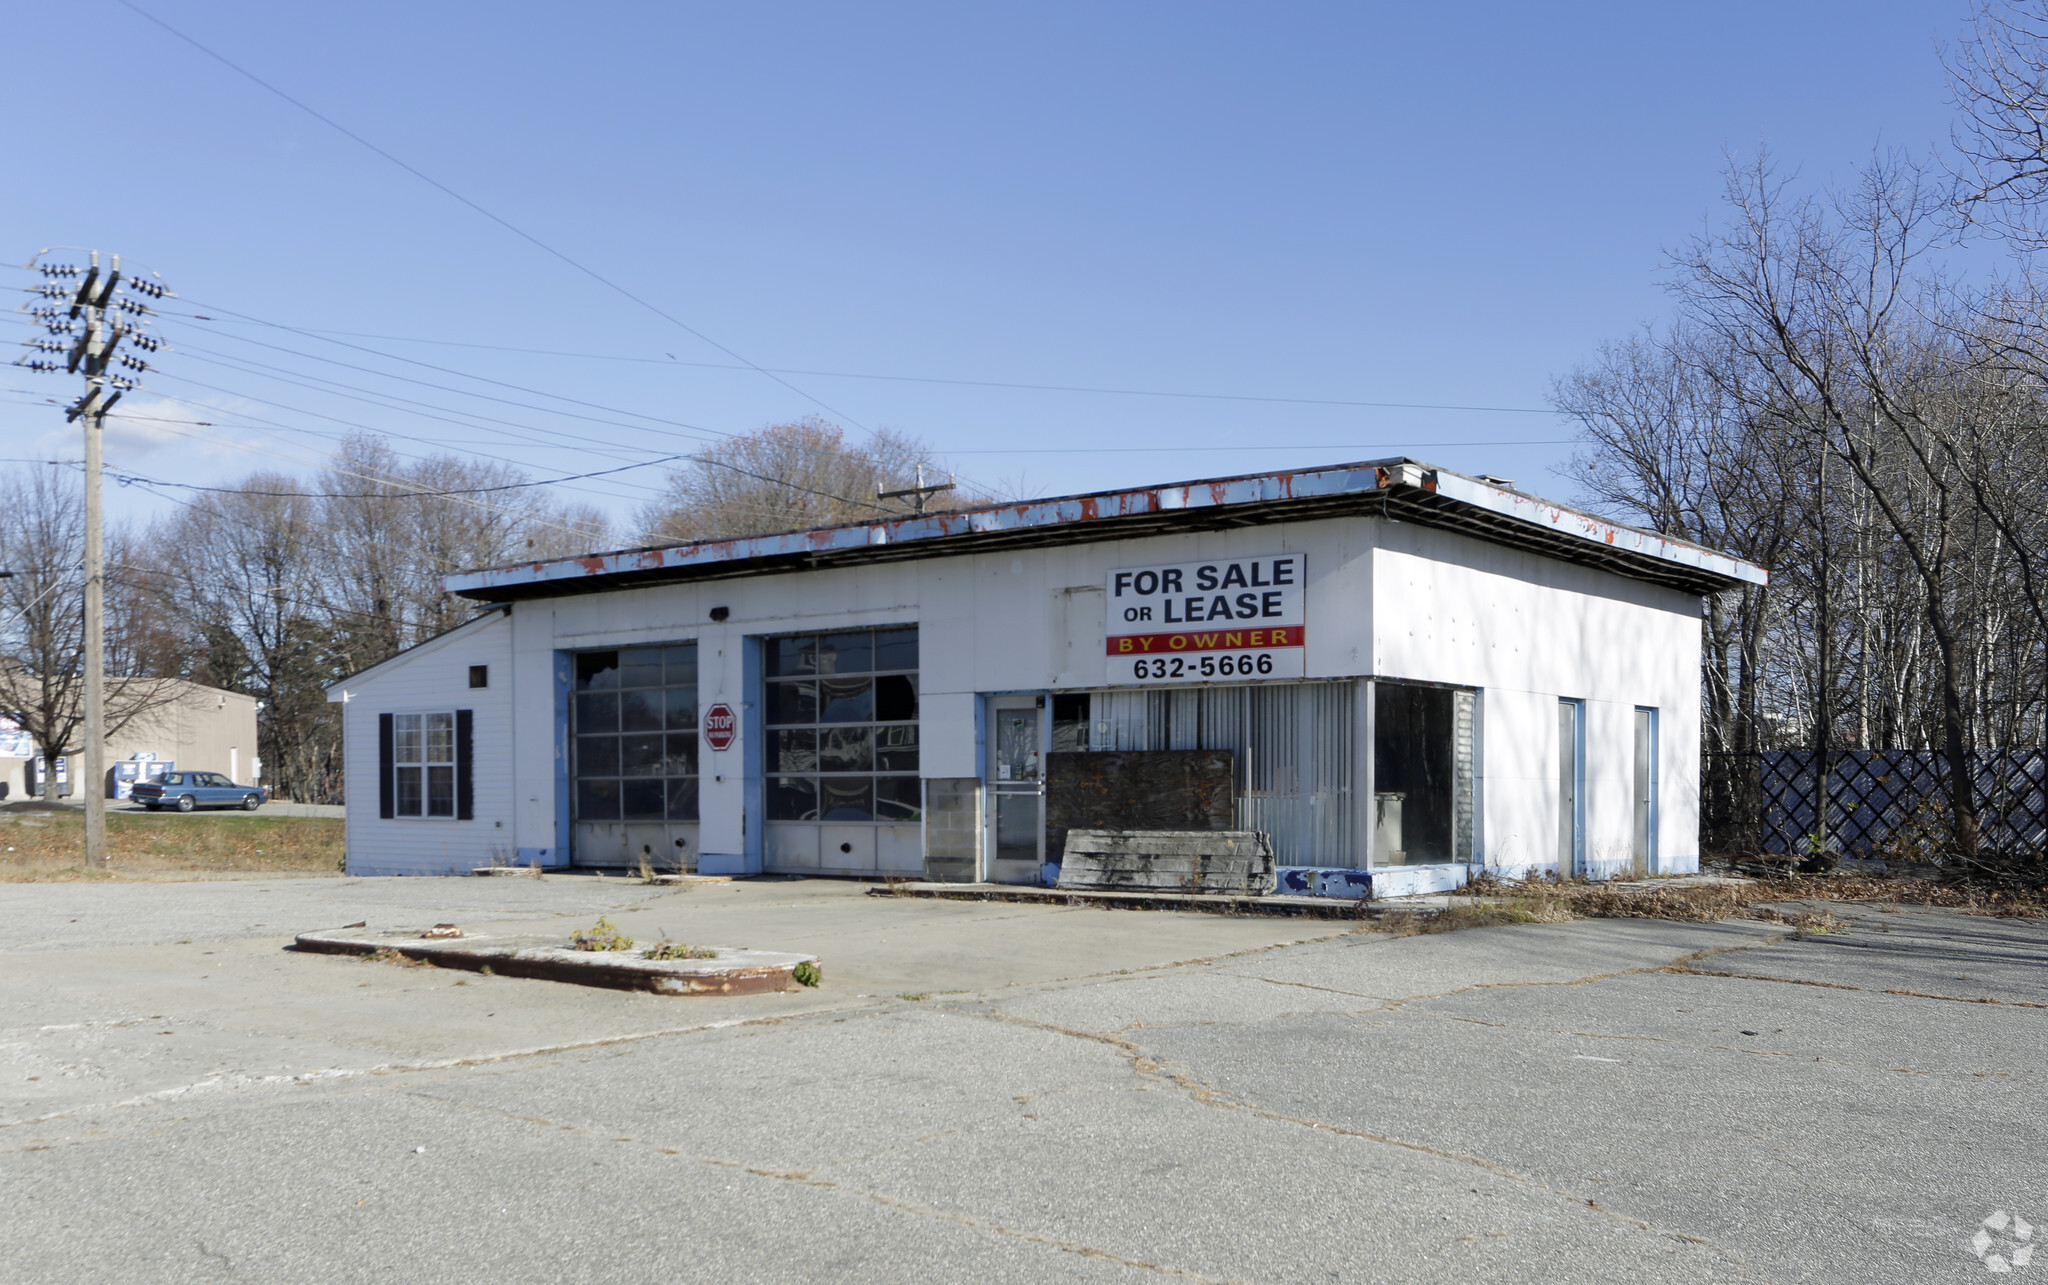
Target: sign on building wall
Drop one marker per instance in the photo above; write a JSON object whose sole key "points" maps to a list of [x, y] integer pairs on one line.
{"points": [[721, 726], [1219, 620], [15, 743]]}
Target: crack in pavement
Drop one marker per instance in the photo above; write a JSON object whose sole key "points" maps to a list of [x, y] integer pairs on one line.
{"points": [[808, 1178], [1393, 1003], [235, 1081], [1676, 970], [1207, 1095]]}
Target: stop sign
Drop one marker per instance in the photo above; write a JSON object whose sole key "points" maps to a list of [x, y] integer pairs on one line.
{"points": [[720, 726]]}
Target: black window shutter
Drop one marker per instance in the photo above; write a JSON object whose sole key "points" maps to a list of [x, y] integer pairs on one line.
{"points": [[386, 752], [465, 780]]}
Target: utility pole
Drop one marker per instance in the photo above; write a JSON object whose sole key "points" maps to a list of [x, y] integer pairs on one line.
{"points": [[95, 317], [920, 491]]}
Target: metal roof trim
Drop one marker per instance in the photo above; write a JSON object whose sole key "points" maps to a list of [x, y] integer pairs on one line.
{"points": [[1585, 526], [951, 532]]}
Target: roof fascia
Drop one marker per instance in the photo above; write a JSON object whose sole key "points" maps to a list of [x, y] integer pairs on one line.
{"points": [[1266, 495]]}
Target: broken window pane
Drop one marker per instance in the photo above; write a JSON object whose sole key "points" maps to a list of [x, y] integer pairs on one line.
{"points": [[596, 670], [792, 798], [651, 694], [849, 722]]}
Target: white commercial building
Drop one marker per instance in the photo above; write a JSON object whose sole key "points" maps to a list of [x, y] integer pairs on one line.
{"points": [[1399, 673]]}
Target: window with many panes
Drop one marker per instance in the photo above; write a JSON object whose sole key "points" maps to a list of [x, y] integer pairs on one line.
{"points": [[842, 726], [423, 764], [635, 721]]}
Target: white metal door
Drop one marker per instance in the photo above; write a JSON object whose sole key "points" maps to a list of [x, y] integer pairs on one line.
{"points": [[1571, 772], [1644, 855]]}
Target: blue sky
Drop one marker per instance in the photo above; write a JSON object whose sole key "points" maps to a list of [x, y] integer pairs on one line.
{"points": [[1343, 203]]}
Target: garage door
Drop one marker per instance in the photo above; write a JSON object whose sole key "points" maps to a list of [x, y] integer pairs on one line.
{"points": [[841, 767]]}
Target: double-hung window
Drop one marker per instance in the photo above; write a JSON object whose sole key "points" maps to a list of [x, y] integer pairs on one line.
{"points": [[423, 764]]}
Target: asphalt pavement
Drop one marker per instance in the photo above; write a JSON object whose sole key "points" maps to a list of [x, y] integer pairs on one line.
{"points": [[992, 1092]]}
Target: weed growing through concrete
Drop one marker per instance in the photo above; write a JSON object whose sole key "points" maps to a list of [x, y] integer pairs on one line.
{"points": [[602, 935], [807, 974], [915, 997], [666, 949], [1409, 923]]}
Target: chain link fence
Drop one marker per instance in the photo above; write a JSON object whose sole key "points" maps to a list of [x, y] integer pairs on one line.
{"points": [[1880, 803]]}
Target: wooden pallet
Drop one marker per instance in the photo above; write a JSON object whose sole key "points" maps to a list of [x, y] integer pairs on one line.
{"points": [[1185, 861]]}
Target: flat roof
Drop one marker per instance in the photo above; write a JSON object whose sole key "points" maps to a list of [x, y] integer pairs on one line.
{"points": [[1404, 489]]}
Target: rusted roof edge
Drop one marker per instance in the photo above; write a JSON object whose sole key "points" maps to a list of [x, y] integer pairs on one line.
{"points": [[1550, 529]]}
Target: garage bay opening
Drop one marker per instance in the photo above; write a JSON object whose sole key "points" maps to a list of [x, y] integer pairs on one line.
{"points": [[635, 757]]}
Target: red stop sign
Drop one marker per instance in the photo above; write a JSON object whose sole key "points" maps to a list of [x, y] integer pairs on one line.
{"points": [[721, 725]]}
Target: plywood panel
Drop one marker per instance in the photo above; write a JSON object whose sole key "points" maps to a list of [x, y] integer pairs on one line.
{"points": [[1138, 790]]}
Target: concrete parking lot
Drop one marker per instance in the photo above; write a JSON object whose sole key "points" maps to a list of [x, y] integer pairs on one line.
{"points": [[998, 1092]]}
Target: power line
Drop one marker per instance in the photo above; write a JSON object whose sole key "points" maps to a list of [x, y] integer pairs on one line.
{"points": [[460, 374], [331, 466], [928, 379], [259, 368], [445, 190], [384, 401], [673, 423], [244, 366], [319, 463], [409, 494], [229, 392], [698, 459], [1184, 450]]}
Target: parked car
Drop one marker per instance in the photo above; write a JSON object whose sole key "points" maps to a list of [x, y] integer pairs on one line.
{"points": [[188, 790]]}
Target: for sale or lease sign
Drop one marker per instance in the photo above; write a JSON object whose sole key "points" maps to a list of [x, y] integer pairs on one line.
{"points": [[721, 726], [1217, 620]]}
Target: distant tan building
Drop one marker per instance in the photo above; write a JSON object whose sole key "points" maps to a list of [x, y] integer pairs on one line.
{"points": [[201, 728]]}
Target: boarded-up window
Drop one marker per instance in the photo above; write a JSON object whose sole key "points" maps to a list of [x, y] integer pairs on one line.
{"points": [[1138, 790], [1293, 755]]}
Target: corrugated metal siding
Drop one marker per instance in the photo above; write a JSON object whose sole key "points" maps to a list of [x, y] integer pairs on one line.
{"points": [[1294, 746], [1464, 774]]}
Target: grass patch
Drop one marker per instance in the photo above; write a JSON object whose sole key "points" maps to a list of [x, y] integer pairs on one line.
{"points": [[1756, 899], [807, 973], [1798, 901], [49, 846]]}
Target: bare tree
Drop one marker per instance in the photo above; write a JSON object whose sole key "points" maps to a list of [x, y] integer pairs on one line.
{"points": [[1822, 301], [246, 561], [391, 529], [42, 622], [786, 477], [1664, 442], [286, 587], [1998, 77]]}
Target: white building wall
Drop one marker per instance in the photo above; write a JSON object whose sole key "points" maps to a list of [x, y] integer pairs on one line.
{"points": [[1387, 598], [435, 677], [1529, 630]]}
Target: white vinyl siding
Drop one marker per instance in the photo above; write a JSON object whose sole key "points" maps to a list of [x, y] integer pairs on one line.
{"points": [[433, 679]]}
